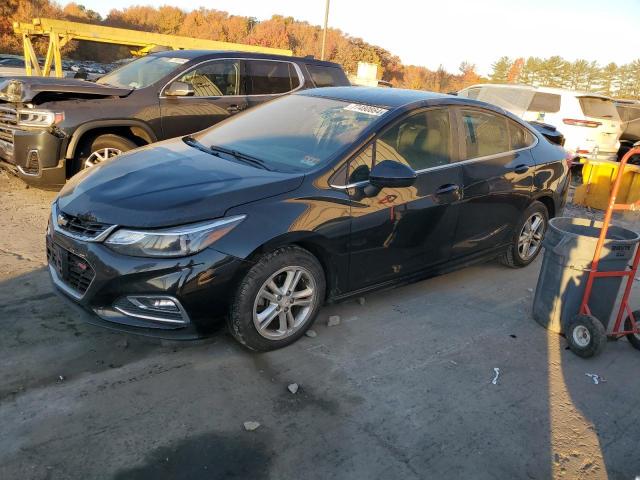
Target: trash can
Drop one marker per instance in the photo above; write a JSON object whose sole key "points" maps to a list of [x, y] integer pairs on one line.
{"points": [[569, 247]]}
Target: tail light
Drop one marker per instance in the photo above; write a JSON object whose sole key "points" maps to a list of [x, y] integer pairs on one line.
{"points": [[581, 123], [568, 159]]}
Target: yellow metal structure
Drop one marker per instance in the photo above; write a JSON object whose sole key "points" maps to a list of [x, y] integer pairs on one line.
{"points": [[60, 32], [598, 178]]}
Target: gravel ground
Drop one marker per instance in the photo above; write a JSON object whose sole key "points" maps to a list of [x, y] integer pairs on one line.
{"points": [[400, 387]]}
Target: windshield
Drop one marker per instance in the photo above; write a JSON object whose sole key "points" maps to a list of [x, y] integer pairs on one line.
{"points": [[142, 72], [295, 133]]}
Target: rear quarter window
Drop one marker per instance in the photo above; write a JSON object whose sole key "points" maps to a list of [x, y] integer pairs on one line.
{"points": [[597, 107], [545, 102], [325, 76]]}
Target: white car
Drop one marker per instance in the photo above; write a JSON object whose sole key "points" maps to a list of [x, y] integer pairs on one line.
{"points": [[589, 122]]}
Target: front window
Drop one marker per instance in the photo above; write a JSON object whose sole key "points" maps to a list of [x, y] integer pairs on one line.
{"points": [[296, 133], [214, 79], [142, 72]]}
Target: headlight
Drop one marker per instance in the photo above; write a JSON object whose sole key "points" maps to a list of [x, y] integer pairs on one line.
{"points": [[30, 117], [171, 242]]}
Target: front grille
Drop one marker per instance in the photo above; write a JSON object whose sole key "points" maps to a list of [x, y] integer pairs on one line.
{"points": [[73, 270], [8, 125], [79, 227]]}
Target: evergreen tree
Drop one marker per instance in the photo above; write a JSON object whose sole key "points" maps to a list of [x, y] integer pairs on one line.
{"points": [[501, 70]]}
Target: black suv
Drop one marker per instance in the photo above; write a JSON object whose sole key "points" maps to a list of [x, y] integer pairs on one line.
{"points": [[51, 128]]}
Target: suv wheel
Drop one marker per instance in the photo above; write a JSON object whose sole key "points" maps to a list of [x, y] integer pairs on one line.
{"points": [[277, 300], [102, 148], [528, 236]]}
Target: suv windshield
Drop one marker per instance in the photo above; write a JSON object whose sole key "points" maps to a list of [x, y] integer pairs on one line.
{"points": [[296, 133], [142, 72]]}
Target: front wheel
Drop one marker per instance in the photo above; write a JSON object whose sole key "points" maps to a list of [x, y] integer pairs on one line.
{"points": [[586, 335], [101, 148], [277, 300], [527, 240]]}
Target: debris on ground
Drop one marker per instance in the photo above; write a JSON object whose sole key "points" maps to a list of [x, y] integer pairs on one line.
{"points": [[60, 378], [513, 336], [311, 333], [496, 370], [250, 426], [530, 290], [361, 300], [333, 321], [596, 378], [293, 388]]}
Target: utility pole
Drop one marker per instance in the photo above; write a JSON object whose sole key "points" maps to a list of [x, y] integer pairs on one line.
{"points": [[324, 33]]}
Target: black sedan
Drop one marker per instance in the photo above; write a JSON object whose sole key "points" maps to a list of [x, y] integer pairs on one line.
{"points": [[314, 197]]}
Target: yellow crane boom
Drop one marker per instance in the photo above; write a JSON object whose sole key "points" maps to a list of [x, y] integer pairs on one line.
{"points": [[60, 32]]}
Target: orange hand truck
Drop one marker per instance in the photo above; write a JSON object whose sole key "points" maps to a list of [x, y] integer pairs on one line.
{"points": [[586, 334]]}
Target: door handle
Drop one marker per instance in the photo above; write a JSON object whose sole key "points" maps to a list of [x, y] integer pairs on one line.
{"points": [[234, 108], [447, 189], [521, 168]]}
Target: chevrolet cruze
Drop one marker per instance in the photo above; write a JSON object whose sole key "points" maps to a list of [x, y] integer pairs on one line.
{"points": [[310, 198]]}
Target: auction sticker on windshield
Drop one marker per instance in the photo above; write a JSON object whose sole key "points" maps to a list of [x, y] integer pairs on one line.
{"points": [[366, 109]]}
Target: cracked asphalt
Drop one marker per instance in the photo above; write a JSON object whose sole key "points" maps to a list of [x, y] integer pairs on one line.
{"points": [[400, 389]]}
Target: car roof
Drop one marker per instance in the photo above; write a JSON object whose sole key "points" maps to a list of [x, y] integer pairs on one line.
{"points": [[206, 54], [389, 98], [519, 86]]}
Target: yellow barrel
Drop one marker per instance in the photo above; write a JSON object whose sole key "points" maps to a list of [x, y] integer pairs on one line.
{"points": [[597, 181]]}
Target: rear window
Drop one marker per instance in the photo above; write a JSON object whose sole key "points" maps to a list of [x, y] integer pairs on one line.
{"points": [[324, 76], [471, 93], [271, 77], [597, 107], [545, 102]]}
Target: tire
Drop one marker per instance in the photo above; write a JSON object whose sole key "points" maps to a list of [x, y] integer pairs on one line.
{"points": [[586, 335], [251, 307], [101, 146], [513, 256], [634, 338]]}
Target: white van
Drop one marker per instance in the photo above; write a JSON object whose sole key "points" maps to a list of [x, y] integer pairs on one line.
{"points": [[589, 122]]}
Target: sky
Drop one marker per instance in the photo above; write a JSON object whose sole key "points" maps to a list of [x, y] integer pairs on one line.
{"points": [[447, 32]]}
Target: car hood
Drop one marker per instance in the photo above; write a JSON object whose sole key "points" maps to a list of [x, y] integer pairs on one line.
{"points": [[165, 184], [26, 89]]}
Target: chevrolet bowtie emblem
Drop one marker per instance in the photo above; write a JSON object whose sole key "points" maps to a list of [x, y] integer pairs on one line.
{"points": [[62, 222]]}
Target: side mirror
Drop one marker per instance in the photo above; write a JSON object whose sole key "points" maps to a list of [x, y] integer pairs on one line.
{"points": [[179, 89], [390, 173]]}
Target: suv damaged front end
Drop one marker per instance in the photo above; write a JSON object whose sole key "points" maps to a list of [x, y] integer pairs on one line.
{"points": [[30, 141], [34, 130]]}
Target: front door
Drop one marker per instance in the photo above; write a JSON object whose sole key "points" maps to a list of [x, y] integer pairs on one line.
{"points": [[218, 93], [498, 170], [399, 231]]}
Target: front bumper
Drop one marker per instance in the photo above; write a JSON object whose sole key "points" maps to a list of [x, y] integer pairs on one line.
{"points": [[36, 157], [202, 284]]}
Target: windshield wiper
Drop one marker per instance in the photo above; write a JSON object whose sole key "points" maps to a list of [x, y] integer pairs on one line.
{"points": [[240, 156], [192, 142], [216, 150]]}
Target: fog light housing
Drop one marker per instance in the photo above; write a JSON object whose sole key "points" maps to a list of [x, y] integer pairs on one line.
{"points": [[157, 308]]}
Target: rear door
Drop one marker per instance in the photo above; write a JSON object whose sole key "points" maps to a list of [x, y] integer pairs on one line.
{"points": [[497, 171], [269, 79], [218, 93], [399, 231], [604, 116]]}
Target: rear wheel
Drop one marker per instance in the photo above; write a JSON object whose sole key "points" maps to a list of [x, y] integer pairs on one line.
{"points": [[277, 300], [527, 240], [101, 148], [586, 335], [634, 338]]}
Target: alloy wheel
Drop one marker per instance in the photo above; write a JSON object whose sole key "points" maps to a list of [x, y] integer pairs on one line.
{"points": [[101, 155], [531, 235], [284, 303]]}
